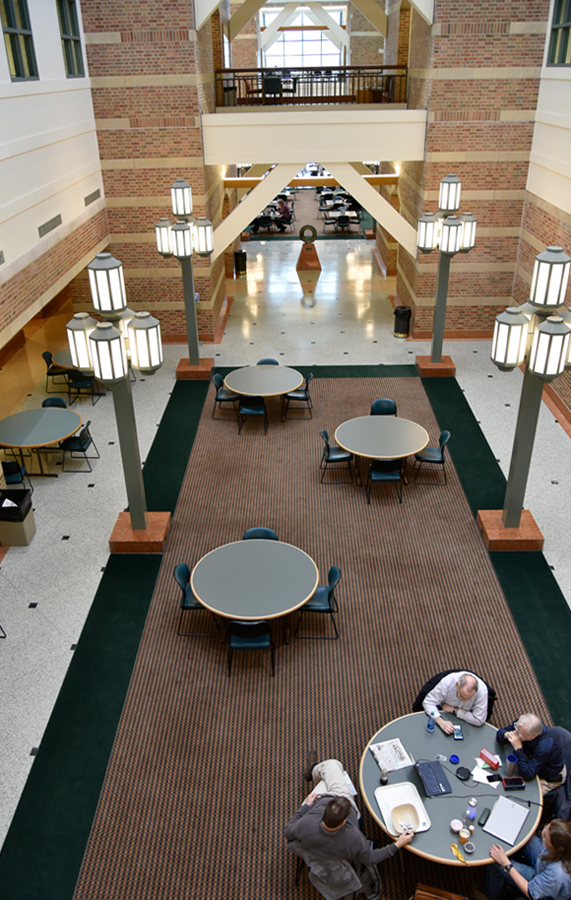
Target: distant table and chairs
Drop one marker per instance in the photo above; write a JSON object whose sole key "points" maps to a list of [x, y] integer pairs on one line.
{"points": [[254, 384], [38, 429], [382, 438]]}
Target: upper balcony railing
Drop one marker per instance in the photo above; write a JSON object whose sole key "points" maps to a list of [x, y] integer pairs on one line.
{"points": [[286, 87]]}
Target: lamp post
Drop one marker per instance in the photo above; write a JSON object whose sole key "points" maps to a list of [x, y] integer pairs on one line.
{"points": [[451, 234], [547, 356], [179, 240], [101, 347]]}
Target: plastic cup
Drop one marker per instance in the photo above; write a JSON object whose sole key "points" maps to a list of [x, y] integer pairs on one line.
{"points": [[464, 836]]}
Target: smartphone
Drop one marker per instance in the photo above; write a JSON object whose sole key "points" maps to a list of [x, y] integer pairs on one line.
{"points": [[495, 777], [515, 783], [458, 734]]}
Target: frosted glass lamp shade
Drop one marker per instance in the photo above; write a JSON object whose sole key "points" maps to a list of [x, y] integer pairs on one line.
{"points": [[468, 231], [428, 232], [163, 235], [510, 339], [108, 353], [145, 343], [181, 240], [550, 348], [202, 236], [451, 235], [78, 332], [126, 317], [181, 197], [449, 196], [550, 278], [107, 284]]}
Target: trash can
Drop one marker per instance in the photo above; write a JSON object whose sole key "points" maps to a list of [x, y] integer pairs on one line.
{"points": [[17, 524], [239, 262], [402, 321]]}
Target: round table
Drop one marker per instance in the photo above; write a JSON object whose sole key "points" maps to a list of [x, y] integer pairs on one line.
{"points": [[434, 844], [381, 437], [255, 579], [63, 359], [263, 381], [33, 429]]}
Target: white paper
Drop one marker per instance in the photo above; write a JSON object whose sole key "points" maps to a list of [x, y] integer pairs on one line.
{"points": [[391, 755]]}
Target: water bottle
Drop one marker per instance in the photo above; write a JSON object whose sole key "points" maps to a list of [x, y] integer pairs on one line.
{"points": [[470, 815], [431, 724]]}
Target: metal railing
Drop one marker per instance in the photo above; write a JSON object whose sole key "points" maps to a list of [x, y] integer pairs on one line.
{"points": [[345, 84]]}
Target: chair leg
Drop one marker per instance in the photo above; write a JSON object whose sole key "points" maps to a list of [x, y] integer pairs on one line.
{"points": [[272, 657], [194, 633], [2, 632], [298, 870], [229, 659]]}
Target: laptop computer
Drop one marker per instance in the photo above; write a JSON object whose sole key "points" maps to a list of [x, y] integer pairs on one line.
{"points": [[433, 778]]}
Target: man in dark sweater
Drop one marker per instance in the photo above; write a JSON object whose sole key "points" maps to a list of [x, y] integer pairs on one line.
{"points": [[537, 750], [327, 824]]}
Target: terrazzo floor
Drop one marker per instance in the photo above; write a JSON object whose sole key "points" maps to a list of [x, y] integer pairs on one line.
{"points": [[46, 589]]}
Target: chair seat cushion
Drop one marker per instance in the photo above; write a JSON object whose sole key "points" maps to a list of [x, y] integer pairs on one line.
{"points": [[190, 601], [252, 410], [260, 643], [320, 600], [429, 454], [297, 395], [337, 454], [226, 394]]}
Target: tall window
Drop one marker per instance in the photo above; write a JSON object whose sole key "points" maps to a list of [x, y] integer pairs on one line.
{"points": [[560, 46], [303, 42], [18, 39], [70, 37]]}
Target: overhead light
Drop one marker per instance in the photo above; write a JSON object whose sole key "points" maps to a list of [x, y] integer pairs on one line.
{"points": [[550, 278], [78, 332], [145, 343], [108, 353], [510, 338], [181, 198], [449, 195], [550, 348], [107, 284]]}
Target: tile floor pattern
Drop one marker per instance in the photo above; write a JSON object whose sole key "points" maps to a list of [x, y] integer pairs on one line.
{"points": [[346, 320]]}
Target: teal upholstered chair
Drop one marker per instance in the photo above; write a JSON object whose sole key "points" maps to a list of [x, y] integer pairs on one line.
{"points": [[382, 470], [250, 636], [188, 602], [323, 601], [266, 534], [333, 455], [383, 407], [433, 456]]}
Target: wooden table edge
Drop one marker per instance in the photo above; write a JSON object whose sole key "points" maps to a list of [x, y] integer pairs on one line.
{"points": [[276, 394], [429, 856]]}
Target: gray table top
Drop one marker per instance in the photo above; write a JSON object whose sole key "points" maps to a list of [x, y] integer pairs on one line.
{"points": [[255, 579], [38, 427], [63, 358], [434, 844], [381, 437], [263, 381]]}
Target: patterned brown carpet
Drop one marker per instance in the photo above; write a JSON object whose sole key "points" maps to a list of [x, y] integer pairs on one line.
{"points": [[206, 770]]}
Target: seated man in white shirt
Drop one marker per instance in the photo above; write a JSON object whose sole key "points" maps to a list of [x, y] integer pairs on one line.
{"points": [[461, 693]]}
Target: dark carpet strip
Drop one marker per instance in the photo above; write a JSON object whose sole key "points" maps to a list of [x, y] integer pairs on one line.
{"points": [[534, 597], [205, 770], [44, 847]]}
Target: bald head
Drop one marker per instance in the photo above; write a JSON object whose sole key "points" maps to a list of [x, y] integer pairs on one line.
{"points": [[466, 686]]}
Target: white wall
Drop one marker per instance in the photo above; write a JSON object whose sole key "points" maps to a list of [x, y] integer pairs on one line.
{"points": [[49, 158]]}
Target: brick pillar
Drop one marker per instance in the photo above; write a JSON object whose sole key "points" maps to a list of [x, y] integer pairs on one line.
{"points": [[152, 77], [476, 72]]}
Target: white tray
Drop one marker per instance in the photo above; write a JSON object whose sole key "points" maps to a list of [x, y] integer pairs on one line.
{"points": [[390, 796]]}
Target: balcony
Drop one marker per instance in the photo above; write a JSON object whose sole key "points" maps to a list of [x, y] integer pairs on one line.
{"points": [[308, 86]]}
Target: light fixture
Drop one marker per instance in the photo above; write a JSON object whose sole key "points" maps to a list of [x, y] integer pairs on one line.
{"points": [[181, 240], [108, 353], [145, 343], [202, 236], [428, 232], [468, 232], [78, 331], [550, 348], [451, 235], [449, 194], [181, 198], [163, 236], [510, 339], [107, 285], [550, 278]]}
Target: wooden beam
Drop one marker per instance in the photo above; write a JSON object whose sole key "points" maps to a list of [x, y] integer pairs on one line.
{"points": [[242, 16]]}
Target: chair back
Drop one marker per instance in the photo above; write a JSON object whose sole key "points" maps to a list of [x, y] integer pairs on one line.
{"points": [[343, 220], [387, 466], [249, 631], [266, 534], [252, 403], [333, 579], [267, 361], [432, 682], [75, 377], [182, 576], [85, 438], [325, 437], [443, 440], [265, 222], [217, 381], [308, 380], [47, 358], [383, 407], [54, 401], [12, 472]]}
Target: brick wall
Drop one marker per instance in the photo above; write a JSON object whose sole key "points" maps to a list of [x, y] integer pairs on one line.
{"points": [[149, 91], [479, 128]]}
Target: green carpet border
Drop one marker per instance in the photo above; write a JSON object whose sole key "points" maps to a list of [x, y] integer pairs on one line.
{"points": [[535, 599], [369, 371], [45, 844]]}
